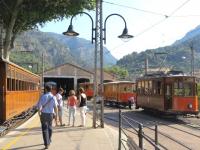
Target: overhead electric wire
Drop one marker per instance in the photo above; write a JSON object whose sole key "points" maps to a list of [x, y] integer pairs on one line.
{"points": [[157, 23], [142, 10], [152, 12], [183, 4]]}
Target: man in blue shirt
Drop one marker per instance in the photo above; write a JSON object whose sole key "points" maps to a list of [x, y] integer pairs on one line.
{"points": [[47, 107]]}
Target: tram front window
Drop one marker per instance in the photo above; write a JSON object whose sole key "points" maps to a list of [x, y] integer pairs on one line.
{"points": [[183, 89], [188, 89]]}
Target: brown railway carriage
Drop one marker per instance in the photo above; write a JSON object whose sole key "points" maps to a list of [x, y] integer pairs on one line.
{"points": [[172, 94], [19, 90], [119, 92]]}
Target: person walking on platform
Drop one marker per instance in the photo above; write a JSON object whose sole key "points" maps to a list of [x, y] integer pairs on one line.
{"points": [[71, 104], [83, 106], [60, 105], [47, 106]]}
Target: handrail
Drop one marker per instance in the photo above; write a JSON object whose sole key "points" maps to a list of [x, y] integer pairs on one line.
{"points": [[129, 122], [150, 141], [139, 132], [131, 119], [137, 122]]}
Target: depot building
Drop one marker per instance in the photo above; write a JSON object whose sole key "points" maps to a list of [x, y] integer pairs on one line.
{"points": [[68, 76]]}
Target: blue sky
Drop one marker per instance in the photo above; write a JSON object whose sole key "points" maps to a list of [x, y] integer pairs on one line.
{"points": [[139, 23]]}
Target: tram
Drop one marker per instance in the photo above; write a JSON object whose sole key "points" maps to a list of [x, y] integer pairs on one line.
{"points": [[19, 90], [88, 87], [120, 93], [171, 93]]}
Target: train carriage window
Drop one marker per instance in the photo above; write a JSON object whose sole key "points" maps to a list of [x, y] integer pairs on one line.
{"points": [[142, 87], [17, 85], [154, 88], [20, 85], [146, 85], [9, 84], [27, 87], [128, 88], [32, 86], [183, 88], [198, 90], [124, 89], [157, 87], [23, 85], [188, 89], [139, 87], [150, 87], [178, 88], [168, 90], [146, 88], [35, 86], [134, 88], [13, 84]]}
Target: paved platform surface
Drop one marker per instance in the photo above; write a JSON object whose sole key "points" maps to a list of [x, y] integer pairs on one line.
{"points": [[29, 136]]}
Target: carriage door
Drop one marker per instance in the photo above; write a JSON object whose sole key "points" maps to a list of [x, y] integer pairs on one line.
{"points": [[168, 96], [198, 93]]}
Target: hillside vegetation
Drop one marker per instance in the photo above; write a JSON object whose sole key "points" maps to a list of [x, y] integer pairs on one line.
{"points": [[57, 49], [176, 56]]}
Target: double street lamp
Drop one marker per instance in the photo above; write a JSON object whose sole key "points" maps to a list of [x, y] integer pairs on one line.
{"points": [[95, 34], [71, 32]]}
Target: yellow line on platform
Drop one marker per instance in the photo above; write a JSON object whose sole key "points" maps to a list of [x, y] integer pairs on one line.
{"points": [[18, 137]]}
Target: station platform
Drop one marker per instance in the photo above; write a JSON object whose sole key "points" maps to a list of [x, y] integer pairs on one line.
{"points": [[29, 136]]}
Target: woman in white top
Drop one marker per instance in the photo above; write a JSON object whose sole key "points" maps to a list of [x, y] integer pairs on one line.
{"points": [[83, 106], [60, 105]]}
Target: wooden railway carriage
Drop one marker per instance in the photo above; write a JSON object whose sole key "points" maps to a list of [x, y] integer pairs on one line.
{"points": [[88, 87], [119, 92], [173, 94], [19, 90]]}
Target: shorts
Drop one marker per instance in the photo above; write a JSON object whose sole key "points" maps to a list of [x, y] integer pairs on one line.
{"points": [[60, 112]]}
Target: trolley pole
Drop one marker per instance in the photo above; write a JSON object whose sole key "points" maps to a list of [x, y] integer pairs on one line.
{"points": [[146, 65], [192, 60]]}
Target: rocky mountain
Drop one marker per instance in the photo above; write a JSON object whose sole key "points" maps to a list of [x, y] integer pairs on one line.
{"points": [[58, 49], [176, 56]]}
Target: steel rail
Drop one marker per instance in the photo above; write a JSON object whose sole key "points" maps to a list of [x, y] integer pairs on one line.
{"points": [[169, 137]]}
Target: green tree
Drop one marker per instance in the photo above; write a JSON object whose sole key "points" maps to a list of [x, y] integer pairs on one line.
{"points": [[122, 73], [23, 15]]}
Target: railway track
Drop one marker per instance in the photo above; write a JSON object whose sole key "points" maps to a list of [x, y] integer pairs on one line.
{"points": [[15, 121], [172, 134]]}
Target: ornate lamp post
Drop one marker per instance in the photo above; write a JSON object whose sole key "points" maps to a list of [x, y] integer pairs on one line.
{"points": [[98, 37]]}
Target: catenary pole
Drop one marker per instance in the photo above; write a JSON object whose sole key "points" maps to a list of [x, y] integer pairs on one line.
{"points": [[101, 62]]}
